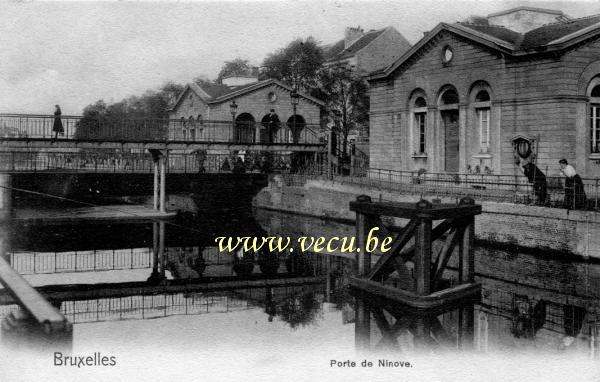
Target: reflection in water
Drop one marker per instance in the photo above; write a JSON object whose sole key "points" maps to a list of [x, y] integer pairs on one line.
{"points": [[383, 325], [529, 303]]}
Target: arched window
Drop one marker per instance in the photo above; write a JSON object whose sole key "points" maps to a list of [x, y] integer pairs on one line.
{"points": [[418, 123], [450, 97], [482, 104], [482, 96], [594, 94]]}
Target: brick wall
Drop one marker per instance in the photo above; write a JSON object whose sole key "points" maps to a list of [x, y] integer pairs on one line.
{"points": [[539, 97], [190, 107], [544, 229], [258, 105]]}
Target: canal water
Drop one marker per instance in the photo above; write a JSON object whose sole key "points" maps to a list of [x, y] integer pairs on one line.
{"points": [[199, 311]]}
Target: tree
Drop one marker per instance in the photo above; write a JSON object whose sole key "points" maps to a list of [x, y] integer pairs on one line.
{"points": [[297, 64], [237, 66], [345, 94], [137, 117]]}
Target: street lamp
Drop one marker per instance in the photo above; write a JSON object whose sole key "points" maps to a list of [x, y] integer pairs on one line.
{"points": [[233, 108], [295, 99]]}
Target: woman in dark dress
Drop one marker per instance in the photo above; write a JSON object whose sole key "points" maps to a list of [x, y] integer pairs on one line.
{"points": [[58, 126]]}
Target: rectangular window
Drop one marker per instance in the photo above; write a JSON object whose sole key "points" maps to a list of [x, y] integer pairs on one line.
{"points": [[184, 134], [420, 124], [483, 116], [595, 126], [192, 134]]}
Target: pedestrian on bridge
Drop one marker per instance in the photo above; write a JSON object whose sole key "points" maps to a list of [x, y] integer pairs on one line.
{"points": [[58, 126]]}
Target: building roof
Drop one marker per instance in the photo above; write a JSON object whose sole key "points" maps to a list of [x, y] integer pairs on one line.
{"points": [[550, 37], [331, 51], [532, 9], [212, 90], [551, 32], [216, 93], [238, 91], [497, 31], [337, 52]]}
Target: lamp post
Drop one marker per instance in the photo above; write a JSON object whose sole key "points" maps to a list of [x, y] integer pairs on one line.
{"points": [[294, 98], [233, 108]]}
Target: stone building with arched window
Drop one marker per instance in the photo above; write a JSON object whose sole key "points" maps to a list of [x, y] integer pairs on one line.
{"points": [[199, 104], [474, 96]]}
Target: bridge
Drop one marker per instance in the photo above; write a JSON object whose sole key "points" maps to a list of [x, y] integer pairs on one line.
{"points": [[28, 143], [35, 132]]}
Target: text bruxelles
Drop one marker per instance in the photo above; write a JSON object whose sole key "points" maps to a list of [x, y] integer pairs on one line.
{"points": [[307, 243]]}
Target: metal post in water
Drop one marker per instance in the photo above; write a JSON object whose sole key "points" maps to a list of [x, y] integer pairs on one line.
{"points": [[5, 197], [156, 184], [161, 247], [163, 170]]}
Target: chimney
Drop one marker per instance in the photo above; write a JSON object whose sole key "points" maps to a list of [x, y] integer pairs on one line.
{"points": [[352, 35]]}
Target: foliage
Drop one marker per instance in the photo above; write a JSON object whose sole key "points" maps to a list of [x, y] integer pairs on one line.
{"points": [[142, 115], [346, 95], [237, 66], [301, 309], [296, 64]]}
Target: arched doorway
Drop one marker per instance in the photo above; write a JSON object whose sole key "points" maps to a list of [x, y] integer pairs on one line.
{"points": [[244, 128], [296, 124], [448, 105], [270, 126]]}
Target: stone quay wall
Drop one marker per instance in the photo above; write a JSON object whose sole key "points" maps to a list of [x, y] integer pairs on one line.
{"points": [[557, 232]]}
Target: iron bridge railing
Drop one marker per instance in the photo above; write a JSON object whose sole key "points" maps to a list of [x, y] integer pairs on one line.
{"points": [[503, 188], [79, 128]]}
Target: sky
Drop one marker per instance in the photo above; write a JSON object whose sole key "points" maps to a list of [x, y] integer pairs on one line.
{"points": [[75, 53]]}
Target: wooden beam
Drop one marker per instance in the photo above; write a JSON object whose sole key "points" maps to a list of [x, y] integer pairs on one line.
{"points": [[364, 224], [422, 258], [408, 253], [409, 210], [31, 300], [466, 271], [439, 332], [445, 255], [389, 338], [446, 297], [77, 292], [399, 243]]}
